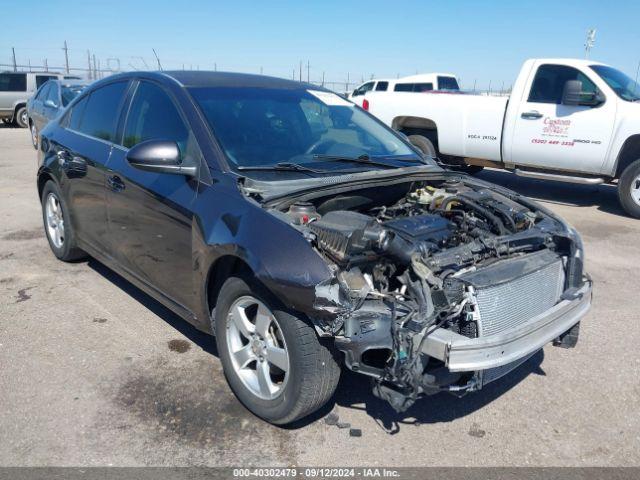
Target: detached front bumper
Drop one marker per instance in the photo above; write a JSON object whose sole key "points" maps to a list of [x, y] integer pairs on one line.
{"points": [[463, 354]]}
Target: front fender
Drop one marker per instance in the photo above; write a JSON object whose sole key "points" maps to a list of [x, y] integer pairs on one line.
{"points": [[278, 254]]}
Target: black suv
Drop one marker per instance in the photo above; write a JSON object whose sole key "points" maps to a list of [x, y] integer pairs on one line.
{"points": [[305, 235]]}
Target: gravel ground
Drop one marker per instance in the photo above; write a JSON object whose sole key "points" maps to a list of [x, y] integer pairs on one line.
{"points": [[94, 372]]}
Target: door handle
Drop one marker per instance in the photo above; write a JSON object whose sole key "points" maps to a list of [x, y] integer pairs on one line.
{"points": [[532, 115], [115, 183]]}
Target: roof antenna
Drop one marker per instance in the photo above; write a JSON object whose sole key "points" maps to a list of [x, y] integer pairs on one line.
{"points": [[157, 59]]}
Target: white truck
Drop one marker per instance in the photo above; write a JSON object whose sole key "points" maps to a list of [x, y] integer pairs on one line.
{"points": [[567, 120], [420, 83]]}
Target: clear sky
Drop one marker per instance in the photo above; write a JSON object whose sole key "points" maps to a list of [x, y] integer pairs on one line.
{"points": [[478, 41]]}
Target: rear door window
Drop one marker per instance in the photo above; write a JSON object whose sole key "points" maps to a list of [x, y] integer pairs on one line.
{"points": [[101, 112], [382, 86], [42, 79], [43, 93], [13, 82], [75, 115], [52, 94]]}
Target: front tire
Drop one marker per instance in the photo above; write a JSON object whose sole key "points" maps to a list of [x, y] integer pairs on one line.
{"points": [[629, 189], [57, 224], [21, 119], [272, 359], [34, 135]]}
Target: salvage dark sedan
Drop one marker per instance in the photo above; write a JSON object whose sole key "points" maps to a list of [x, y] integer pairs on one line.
{"points": [[306, 236]]}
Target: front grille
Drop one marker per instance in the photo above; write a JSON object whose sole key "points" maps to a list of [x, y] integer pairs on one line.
{"points": [[512, 303]]}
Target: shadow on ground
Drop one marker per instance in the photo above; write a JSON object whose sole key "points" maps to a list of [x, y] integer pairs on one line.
{"points": [[603, 197], [354, 390]]}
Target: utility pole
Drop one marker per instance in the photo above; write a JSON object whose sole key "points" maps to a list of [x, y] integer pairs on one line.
{"points": [[300, 72], [15, 66], [30, 64], [99, 69], [489, 87], [157, 59], [474, 84], [66, 57], [348, 82], [323, 79], [215, 67], [95, 70], [46, 65], [591, 40], [308, 69], [89, 64]]}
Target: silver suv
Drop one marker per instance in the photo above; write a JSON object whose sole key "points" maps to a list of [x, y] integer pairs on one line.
{"points": [[15, 90]]}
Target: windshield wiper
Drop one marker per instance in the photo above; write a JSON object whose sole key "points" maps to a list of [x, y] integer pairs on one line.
{"points": [[366, 159], [282, 166]]}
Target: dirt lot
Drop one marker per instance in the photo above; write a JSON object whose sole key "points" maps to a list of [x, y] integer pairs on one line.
{"points": [[94, 372]]}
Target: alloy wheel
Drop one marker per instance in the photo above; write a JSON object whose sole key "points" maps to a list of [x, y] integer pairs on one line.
{"points": [[55, 220], [635, 190], [257, 348]]}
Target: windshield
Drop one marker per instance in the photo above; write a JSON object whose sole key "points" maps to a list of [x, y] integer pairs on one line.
{"points": [[69, 92], [623, 85], [448, 83], [259, 127]]}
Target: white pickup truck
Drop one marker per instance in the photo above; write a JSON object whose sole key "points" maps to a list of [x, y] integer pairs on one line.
{"points": [[568, 120]]}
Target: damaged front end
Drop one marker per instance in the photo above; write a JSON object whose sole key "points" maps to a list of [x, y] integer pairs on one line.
{"points": [[441, 285]]}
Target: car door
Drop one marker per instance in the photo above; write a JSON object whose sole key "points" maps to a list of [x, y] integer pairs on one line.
{"points": [[36, 109], [50, 104], [83, 147], [548, 134], [150, 216]]}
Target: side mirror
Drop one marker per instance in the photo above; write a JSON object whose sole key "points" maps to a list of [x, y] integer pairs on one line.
{"points": [[160, 156], [571, 93], [50, 104]]}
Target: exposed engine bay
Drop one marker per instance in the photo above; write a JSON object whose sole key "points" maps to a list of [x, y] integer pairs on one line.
{"points": [[415, 257]]}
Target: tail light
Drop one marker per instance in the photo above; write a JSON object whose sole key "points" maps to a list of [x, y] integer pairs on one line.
{"points": [[365, 104]]}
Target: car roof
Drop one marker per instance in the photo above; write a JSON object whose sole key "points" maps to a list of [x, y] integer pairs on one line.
{"points": [[196, 79]]}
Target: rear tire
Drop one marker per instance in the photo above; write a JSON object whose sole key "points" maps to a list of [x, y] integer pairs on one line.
{"points": [[629, 189], [21, 118], [34, 135], [427, 147], [57, 224], [311, 374]]}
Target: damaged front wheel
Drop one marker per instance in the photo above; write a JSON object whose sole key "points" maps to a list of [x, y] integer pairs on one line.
{"points": [[273, 360]]}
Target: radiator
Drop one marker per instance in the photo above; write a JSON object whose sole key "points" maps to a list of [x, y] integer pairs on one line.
{"points": [[512, 303]]}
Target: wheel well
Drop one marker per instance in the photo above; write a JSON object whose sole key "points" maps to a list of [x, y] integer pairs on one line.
{"points": [[629, 153], [417, 126], [42, 180], [223, 268], [18, 107]]}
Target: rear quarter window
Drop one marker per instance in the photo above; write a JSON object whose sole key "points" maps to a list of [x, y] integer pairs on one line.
{"points": [[13, 82]]}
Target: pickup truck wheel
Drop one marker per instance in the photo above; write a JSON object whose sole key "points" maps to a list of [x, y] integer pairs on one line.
{"points": [[629, 189], [424, 145], [22, 120], [272, 359]]}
